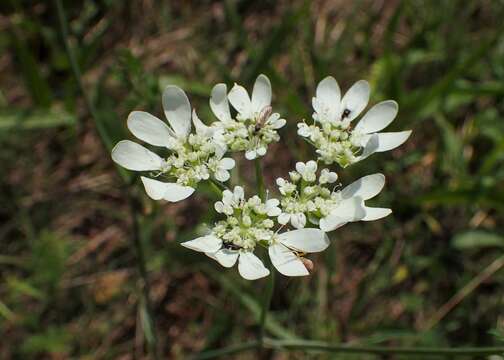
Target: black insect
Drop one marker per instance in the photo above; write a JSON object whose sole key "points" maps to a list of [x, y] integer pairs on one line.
{"points": [[231, 246], [346, 113]]}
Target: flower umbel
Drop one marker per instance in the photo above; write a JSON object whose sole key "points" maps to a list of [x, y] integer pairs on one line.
{"points": [[332, 133], [323, 204], [255, 125], [192, 157], [248, 224]]}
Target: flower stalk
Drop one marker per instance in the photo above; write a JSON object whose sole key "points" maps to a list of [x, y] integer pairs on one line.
{"points": [[150, 333], [259, 179], [270, 285]]}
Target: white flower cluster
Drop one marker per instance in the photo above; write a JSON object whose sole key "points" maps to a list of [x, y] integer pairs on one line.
{"points": [[323, 204], [255, 125], [247, 226], [332, 133], [309, 197], [193, 157]]}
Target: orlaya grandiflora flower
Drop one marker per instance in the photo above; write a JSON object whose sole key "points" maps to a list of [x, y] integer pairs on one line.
{"points": [[255, 125], [194, 157], [304, 198], [247, 225], [332, 134]]}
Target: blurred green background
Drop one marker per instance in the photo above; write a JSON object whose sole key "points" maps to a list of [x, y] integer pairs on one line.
{"points": [[428, 275]]}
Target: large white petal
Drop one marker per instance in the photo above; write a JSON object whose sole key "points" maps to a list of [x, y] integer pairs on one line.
{"points": [[366, 187], [391, 140], [206, 244], [286, 262], [356, 98], [177, 110], [378, 117], [261, 94], [239, 98], [158, 190], [133, 156], [374, 213], [329, 93], [201, 128], [306, 240], [219, 102], [371, 144], [225, 257], [251, 267], [150, 129], [347, 211]]}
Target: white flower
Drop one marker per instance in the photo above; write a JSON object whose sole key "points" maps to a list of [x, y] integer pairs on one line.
{"points": [[255, 125], [307, 171], [331, 133], [251, 108], [230, 200], [304, 130], [250, 266], [247, 225], [272, 208], [351, 207], [297, 220], [285, 187], [327, 177], [194, 156], [329, 208], [286, 250]]}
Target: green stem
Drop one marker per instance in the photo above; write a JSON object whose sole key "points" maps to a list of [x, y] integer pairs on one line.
{"points": [[259, 179], [150, 333], [268, 294], [216, 187], [102, 132], [320, 346], [218, 353], [340, 348]]}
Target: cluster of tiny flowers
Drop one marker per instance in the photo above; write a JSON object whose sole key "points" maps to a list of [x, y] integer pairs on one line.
{"points": [[195, 160], [251, 135], [255, 125], [332, 133], [247, 222], [334, 140], [304, 197]]}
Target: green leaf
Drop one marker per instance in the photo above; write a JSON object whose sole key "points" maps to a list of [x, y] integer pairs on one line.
{"points": [[17, 119], [477, 239]]}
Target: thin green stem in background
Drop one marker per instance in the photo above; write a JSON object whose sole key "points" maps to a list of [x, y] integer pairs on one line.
{"points": [[266, 303], [341, 348], [218, 353], [268, 292], [100, 127], [148, 327], [320, 346], [78, 76]]}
